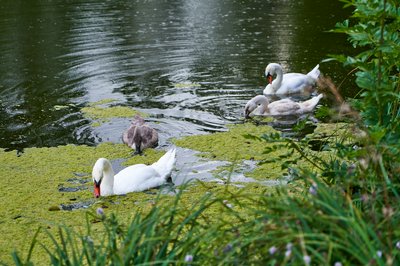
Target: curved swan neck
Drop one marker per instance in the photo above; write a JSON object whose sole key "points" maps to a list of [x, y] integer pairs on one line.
{"points": [[103, 173], [276, 84], [275, 69], [263, 102]]}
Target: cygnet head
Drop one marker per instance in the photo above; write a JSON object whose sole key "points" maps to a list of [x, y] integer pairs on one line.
{"points": [[137, 120], [259, 100], [250, 107]]}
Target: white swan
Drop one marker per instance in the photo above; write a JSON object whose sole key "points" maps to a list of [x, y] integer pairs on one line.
{"points": [[259, 105], [290, 82], [137, 177], [140, 136]]}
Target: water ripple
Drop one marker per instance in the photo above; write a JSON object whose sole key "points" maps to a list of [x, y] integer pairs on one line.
{"points": [[191, 65]]}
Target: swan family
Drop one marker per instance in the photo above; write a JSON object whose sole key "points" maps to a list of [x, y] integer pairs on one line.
{"points": [[139, 136], [284, 84]]}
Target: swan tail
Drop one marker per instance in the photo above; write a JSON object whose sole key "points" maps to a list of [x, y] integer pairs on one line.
{"points": [[314, 73], [166, 163], [309, 105]]}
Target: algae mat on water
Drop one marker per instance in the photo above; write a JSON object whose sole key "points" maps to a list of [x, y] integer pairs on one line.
{"points": [[233, 146], [30, 190], [30, 194], [100, 112]]}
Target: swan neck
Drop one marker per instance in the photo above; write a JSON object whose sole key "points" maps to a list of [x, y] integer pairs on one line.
{"points": [[263, 102], [276, 84], [107, 183]]}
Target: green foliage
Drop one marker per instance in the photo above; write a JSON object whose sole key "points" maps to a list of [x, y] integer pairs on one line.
{"points": [[353, 212], [323, 224], [374, 29]]}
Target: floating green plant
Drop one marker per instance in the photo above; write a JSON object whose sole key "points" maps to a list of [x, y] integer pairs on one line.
{"points": [[31, 191], [234, 146], [100, 112]]}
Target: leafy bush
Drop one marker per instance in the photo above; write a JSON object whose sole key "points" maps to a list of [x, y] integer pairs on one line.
{"points": [[376, 31]]}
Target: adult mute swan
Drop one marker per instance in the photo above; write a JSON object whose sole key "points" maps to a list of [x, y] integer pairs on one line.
{"points": [[290, 82], [140, 136], [136, 177], [259, 105]]}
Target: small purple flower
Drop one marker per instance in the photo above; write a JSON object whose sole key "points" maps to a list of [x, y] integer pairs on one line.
{"points": [[188, 258], [272, 250], [398, 245], [364, 198], [227, 248], [313, 189], [307, 259], [100, 211], [338, 263], [288, 249], [288, 253], [379, 253]]}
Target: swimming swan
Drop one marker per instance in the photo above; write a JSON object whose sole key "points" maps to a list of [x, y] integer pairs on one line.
{"points": [[134, 178], [140, 136], [290, 82], [259, 105]]}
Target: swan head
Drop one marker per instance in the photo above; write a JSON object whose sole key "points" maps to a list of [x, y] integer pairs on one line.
{"points": [[271, 70], [250, 107], [101, 166], [258, 101]]}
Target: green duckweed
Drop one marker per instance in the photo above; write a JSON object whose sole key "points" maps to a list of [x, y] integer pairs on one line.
{"points": [[31, 196], [100, 112]]}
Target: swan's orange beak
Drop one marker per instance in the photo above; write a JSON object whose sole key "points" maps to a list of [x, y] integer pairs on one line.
{"points": [[96, 190], [269, 78]]}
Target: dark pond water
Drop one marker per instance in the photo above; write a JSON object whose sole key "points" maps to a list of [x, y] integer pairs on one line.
{"points": [[191, 64]]}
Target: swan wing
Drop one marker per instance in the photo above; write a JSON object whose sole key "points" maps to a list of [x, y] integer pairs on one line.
{"points": [[127, 136], [165, 164], [140, 177], [314, 73], [149, 136], [135, 178], [309, 105], [284, 107], [295, 83]]}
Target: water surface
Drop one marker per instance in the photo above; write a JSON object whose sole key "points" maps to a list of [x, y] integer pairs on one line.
{"points": [[192, 64]]}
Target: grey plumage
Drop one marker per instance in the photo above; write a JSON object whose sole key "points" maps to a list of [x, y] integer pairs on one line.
{"points": [[140, 136]]}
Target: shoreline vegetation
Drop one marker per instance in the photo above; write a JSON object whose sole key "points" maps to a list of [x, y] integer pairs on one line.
{"points": [[340, 205]]}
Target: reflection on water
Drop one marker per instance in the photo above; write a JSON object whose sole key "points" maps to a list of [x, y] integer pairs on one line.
{"points": [[191, 64]]}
